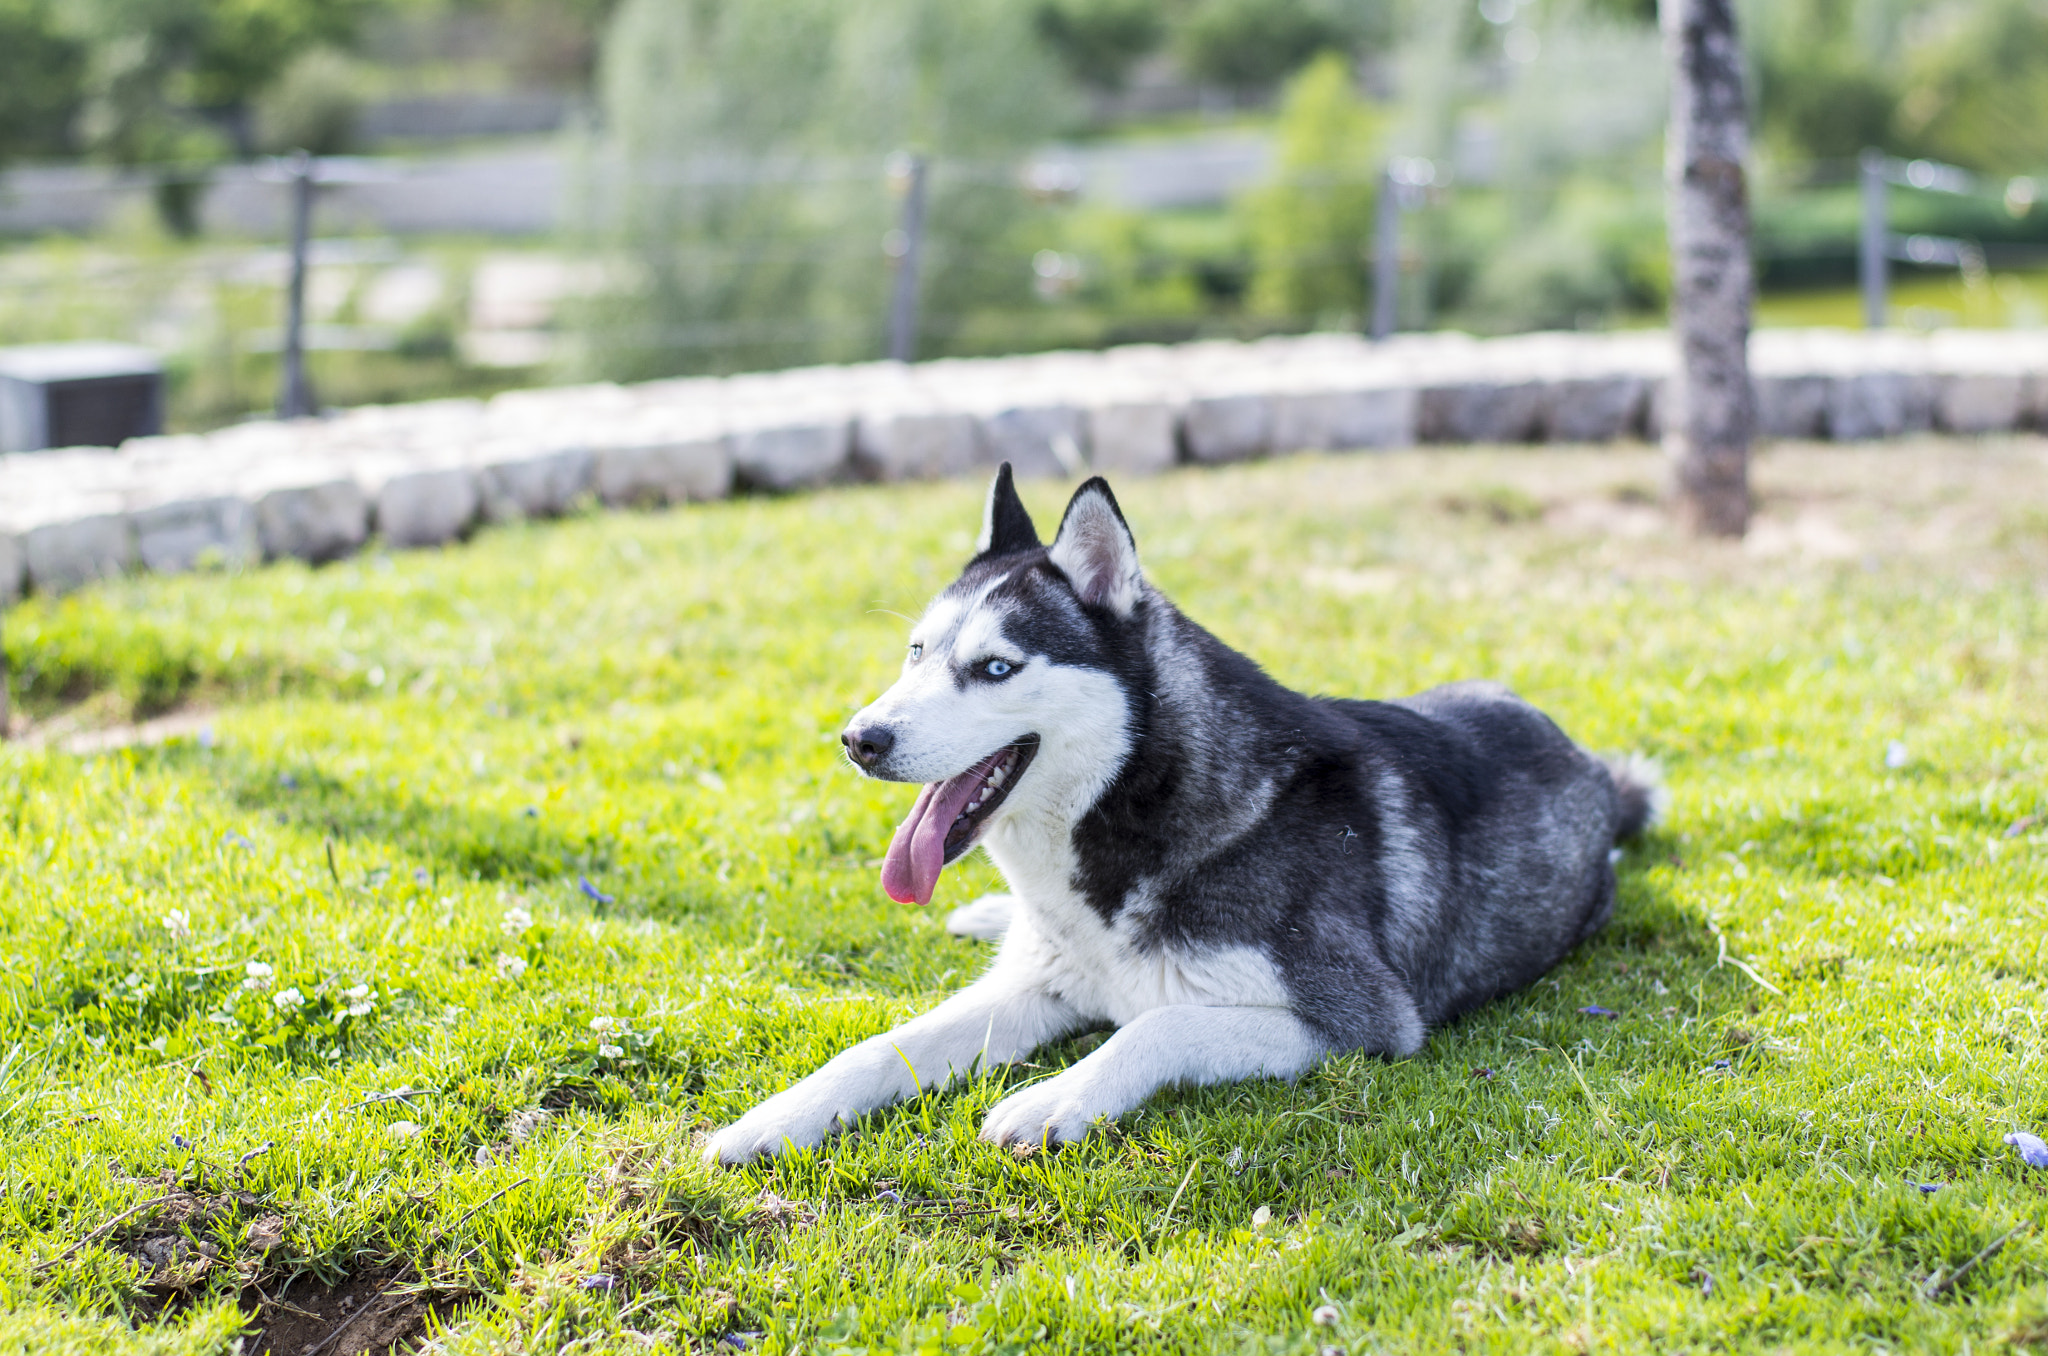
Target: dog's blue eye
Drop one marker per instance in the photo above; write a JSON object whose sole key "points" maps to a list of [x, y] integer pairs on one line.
{"points": [[995, 668], [917, 652]]}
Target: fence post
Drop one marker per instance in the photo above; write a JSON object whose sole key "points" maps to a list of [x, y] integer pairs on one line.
{"points": [[294, 397], [906, 245], [1386, 256], [1871, 266]]}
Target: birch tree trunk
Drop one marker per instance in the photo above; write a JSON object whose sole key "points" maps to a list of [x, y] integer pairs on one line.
{"points": [[1712, 409]]}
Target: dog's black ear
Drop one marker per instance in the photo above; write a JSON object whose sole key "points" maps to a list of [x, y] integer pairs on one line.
{"points": [[1096, 551], [1006, 526]]}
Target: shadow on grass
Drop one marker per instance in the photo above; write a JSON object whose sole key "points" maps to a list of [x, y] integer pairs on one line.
{"points": [[444, 836]]}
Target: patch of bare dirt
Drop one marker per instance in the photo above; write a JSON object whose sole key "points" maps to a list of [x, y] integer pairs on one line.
{"points": [[79, 731], [376, 1312]]}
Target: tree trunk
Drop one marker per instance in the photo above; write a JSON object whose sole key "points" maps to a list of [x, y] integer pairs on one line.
{"points": [[1712, 408]]}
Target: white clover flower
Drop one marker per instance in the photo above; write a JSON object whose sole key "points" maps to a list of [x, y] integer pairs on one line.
{"points": [[602, 1024], [178, 923], [257, 975], [510, 967], [360, 1000], [515, 921], [610, 1051], [287, 998], [402, 1129]]}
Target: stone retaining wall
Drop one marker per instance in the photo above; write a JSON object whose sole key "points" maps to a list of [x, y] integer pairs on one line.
{"points": [[424, 474]]}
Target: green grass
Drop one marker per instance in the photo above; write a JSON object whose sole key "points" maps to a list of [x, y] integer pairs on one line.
{"points": [[415, 761]]}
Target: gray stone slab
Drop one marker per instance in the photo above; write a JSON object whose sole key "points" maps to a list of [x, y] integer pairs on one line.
{"points": [[1482, 412], [678, 472], [13, 567], [1980, 402], [538, 486], [1217, 429], [428, 508], [924, 445], [1865, 405], [792, 457], [317, 523], [1344, 420], [1037, 440], [2034, 401], [1600, 409], [1792, 406], [1136, 437], [66, 555], [192, 533]]}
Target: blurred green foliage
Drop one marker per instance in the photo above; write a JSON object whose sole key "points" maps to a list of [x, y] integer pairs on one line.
{"points": [[1311, 228]]}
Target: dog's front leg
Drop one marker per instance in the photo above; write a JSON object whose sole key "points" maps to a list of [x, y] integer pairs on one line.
{"points": [[1172, 1045], [997, 1020]]}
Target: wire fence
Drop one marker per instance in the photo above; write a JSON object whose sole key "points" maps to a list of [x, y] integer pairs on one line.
{"points": [[1046, 263]]}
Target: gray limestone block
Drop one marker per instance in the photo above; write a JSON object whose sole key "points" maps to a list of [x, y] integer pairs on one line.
{"points": [[1137, 437], [1342, 420], [1986, 402], [1600, 409], [313, 522], [1216, 429], [532, 487], [428, 508], [1792, 406], [925, 445], [1039, 440], [792, 457], [175, 537], [1482, 412], [2034, 401], [1866, 405], [64, 556], [13, 567], [664, 472]]}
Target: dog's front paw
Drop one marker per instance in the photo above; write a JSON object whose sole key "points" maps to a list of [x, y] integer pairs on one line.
{"points": [[1057, 1111], [781, 1123]]}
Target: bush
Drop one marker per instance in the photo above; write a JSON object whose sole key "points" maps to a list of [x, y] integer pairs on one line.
{"points": [[1311, 228], [313, 107]]}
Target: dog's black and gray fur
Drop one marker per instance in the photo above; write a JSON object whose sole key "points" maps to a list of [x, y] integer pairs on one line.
{"points": [[1241, 878]]}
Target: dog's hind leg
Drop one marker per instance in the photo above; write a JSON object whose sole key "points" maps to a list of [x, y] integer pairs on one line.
{"points": [[998, 1020], [985, 920], [1183, 1044]]}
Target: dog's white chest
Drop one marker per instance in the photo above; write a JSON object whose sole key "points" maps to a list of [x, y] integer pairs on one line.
{"points": [[1103, 971]]}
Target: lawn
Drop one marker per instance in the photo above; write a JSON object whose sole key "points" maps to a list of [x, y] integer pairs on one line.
{"points": [[390, 995]]}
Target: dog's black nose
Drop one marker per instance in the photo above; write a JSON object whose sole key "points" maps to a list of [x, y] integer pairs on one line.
{"points": [[866, 744]]}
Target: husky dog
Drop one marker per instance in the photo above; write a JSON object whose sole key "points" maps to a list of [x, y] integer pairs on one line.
{"points": [[1241, 879]]}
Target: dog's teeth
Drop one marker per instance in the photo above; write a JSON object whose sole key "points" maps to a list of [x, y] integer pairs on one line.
{"points": [[996, 778]]}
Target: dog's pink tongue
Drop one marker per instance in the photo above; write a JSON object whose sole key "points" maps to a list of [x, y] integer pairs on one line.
{"points": [[917, 853]]}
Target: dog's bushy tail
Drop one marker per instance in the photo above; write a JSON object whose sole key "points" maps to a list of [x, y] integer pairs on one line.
{"points": [[1639, 794]]}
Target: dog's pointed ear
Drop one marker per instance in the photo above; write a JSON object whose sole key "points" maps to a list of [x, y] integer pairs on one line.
{"points": [[1006, 525], [1096, 552]]}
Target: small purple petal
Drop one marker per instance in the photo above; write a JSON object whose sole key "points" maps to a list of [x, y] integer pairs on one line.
{"points": [[1595, 1010], [1929, 1188], [181, 1142], [592, 891], [890, 1196], [599, 1280], [2033, 1149], [1724, 1063]]}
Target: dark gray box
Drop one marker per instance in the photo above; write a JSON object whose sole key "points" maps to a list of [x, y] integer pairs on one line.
{"points": [[78, 395]]}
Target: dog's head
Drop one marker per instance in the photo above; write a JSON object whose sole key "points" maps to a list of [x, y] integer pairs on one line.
{"points": [[1009, 709]]}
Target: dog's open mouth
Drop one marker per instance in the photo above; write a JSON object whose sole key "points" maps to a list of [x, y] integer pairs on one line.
{"points": [[946, 820]]}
